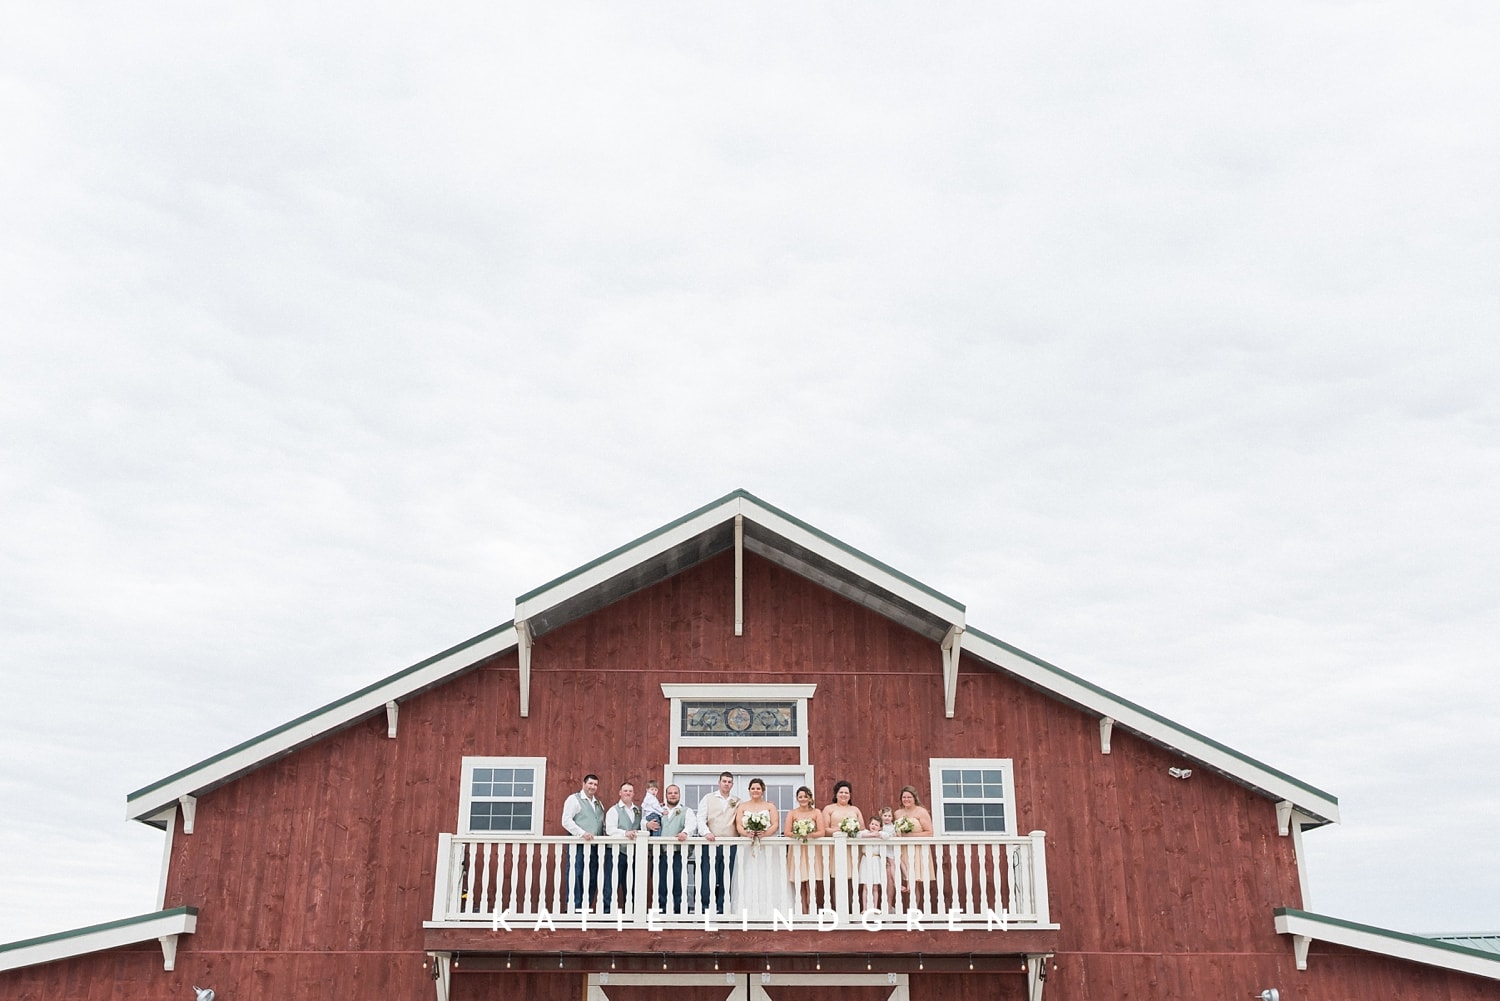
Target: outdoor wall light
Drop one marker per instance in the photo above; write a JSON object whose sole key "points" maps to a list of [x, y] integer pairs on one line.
{"points": [[204, 993], [1269, 994], [1180, 773]]}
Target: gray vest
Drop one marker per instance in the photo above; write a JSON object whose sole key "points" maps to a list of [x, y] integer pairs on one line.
{"points": [[671, 825], [590, 815], [629, 819]]}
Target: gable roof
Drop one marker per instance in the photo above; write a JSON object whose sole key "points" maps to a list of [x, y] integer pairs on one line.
{"points": [[683, 543]]}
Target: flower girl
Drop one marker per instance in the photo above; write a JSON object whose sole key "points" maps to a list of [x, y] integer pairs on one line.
{"points": [[874, 864]]}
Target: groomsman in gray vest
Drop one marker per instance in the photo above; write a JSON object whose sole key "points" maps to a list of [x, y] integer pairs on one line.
{"points": [[583, 817], [677, 824], [623, 820]]}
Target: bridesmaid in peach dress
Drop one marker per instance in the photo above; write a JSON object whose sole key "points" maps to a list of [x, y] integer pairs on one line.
{"points": [[804, 862], [845, 854], [916, 860]]}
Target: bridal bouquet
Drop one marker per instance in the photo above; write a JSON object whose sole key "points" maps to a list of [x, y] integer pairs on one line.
{"points": [[757, 822], [849, 826], [802, 828], [905, 825]]}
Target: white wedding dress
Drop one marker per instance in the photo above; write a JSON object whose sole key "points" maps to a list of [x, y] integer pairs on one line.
{"points": [[760, 880]]}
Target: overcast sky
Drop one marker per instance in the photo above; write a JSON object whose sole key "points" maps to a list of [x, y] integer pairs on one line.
{"points": [[1161, 335]]}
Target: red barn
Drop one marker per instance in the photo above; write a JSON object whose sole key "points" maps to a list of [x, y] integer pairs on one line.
{"points": [[406, 841]]}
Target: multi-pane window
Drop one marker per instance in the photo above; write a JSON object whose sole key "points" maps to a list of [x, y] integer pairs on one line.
{"points": [[502, 795], [781, 783], [973, 796]]}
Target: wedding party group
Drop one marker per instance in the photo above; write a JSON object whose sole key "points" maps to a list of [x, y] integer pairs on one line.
{"points": [[837, 858]]}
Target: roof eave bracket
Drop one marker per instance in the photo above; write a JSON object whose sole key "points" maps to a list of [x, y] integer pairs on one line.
{"points": [[523, 649], [952, 644]]}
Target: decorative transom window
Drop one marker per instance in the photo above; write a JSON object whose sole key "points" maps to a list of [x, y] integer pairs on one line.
{"points": [[502, 795], [973, 796], [738, 716]]}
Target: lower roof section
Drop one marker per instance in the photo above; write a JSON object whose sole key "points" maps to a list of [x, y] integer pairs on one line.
{"points": [[1306, 928], [98, 938]]}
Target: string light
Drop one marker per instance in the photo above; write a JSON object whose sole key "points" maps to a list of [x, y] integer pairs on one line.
{"points": [[507, 960], [820, 960], [919, 962]]}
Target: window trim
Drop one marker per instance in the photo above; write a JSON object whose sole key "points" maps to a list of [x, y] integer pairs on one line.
{"points": [[676, 694], [466, 797], [1006, 767]]}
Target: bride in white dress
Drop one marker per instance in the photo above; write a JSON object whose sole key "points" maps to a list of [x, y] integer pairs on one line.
{"points": [[760, 884]]}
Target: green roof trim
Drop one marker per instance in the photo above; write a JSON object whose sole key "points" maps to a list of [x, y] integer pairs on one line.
{"points": [[732, 496], [91, 929], [1075, 679], [1399, 936], [318, 712]]}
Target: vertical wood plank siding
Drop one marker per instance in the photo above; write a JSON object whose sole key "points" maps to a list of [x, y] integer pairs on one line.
{"points": [[314, 873]]}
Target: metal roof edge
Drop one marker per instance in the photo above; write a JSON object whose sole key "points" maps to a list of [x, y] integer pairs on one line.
{"points": [[857, 554], [97, 938], [1387, 942], [1320, 804], [319, 721], [725, 501], [736, 502]]}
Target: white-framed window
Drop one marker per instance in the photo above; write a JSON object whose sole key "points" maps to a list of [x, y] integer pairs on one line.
{"points": [[973, 796], [502, 796]]}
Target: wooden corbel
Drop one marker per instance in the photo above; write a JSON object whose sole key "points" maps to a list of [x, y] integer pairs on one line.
{"points": [[523, 646], [189, 811], [952, 643]]}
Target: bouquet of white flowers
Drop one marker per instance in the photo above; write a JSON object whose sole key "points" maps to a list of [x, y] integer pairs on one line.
{"points": [[849, 826], [802, 828], [757, 821], [905, 825]]}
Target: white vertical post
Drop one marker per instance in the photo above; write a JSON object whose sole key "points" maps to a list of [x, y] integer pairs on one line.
{"points": [[640, 861], [739, 575], [442, 877], [1039, 877]]}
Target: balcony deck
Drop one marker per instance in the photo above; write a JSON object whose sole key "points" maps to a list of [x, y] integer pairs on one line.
{"points": [[526, 883]]}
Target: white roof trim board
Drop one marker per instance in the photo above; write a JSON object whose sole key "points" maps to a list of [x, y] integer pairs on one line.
{"points": [[1384, 942], [146, 804], [1157, 729], [97, 938], [678, 545]]}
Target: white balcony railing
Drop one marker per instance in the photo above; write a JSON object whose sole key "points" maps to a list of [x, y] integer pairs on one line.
{"points": [[528, 882]]}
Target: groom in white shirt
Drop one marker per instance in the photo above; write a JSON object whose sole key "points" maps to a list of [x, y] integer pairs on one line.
{"points": [[716, 820]]}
